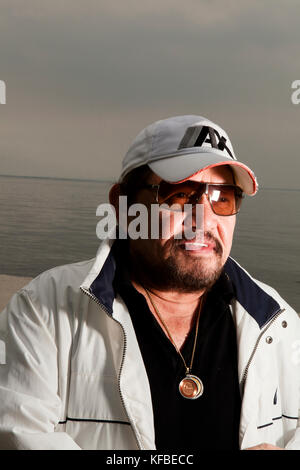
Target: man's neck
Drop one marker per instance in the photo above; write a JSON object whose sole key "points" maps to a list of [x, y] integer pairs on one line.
{"points": [[172, 302], [176, 310]]}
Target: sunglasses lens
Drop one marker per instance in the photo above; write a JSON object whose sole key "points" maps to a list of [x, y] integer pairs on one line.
{"points": [[224, 199], [178, 195]]}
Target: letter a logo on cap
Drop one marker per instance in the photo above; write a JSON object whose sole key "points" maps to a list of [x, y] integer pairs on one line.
{"points": [[196, 136]]}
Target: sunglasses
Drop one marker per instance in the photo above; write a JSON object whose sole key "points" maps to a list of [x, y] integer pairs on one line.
{"points": [[224, 199]]}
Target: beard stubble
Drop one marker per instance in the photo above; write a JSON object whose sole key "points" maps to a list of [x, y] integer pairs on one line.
{"points": [[178, 270]]}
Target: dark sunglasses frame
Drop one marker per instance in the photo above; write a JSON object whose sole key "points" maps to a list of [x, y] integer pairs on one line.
{"points": [[238, 193]]}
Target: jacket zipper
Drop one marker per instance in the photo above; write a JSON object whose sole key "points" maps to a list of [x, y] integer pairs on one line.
{"points": [[95, 299], [243, 381]]}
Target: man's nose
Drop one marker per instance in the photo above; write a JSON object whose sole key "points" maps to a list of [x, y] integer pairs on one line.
{"points": [[210, 219]]}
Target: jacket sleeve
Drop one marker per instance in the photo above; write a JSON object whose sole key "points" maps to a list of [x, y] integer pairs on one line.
{"points": [[294, 441], [30, 405]]}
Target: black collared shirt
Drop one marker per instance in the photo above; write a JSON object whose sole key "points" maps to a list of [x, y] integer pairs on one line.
{"points": [[210, 422]]}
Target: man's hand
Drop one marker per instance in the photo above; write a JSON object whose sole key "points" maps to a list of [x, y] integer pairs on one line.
{"points": [[265, 446]]}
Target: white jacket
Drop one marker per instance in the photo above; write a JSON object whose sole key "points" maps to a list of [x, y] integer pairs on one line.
{"points": [[72, 375]]}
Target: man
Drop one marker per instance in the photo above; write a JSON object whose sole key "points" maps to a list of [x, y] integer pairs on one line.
{"points": [[160, 342]]}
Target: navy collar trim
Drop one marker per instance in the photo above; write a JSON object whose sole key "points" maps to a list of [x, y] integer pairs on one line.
{"points": [[102, 287], [260, 305]]}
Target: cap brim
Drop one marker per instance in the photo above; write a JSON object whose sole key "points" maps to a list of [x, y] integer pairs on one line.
{"points": [[179, 168]]}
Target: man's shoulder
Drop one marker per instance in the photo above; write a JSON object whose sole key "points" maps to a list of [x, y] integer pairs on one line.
{"points": [[254, 295], [276, 295], [60, 278]]}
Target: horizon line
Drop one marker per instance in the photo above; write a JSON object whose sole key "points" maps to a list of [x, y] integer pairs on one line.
{"points": [[61, 178], [111, 180]]}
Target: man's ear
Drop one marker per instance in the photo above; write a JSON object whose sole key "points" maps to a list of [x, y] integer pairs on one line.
{"points": [[114, 195]]}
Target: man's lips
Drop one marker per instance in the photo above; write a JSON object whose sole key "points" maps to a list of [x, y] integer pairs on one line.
{"points": [[206, 244], [195, 245]]}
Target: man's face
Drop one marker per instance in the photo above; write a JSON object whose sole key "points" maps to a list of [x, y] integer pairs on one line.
{"points": [[170, 263]]}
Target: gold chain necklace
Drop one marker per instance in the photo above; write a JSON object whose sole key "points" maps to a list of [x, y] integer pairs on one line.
{"points": [[190, 387]]}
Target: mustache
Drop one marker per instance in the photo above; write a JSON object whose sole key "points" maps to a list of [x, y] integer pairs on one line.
{"points": [[208, 237]]}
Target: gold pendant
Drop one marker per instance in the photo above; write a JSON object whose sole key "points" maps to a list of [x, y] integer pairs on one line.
{"points": [[191, 387]]}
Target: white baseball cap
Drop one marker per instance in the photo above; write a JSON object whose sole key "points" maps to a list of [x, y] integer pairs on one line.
{"points": [[180, 147]]}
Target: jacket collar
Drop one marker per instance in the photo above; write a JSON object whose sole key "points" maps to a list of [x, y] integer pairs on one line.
{"points": [[253, 298]]}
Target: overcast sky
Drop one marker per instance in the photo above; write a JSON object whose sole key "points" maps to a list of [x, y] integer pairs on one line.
{"points": [[84, 77]]}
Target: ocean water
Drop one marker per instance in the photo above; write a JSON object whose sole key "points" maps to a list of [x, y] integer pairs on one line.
{"points": [[48, 222]]}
